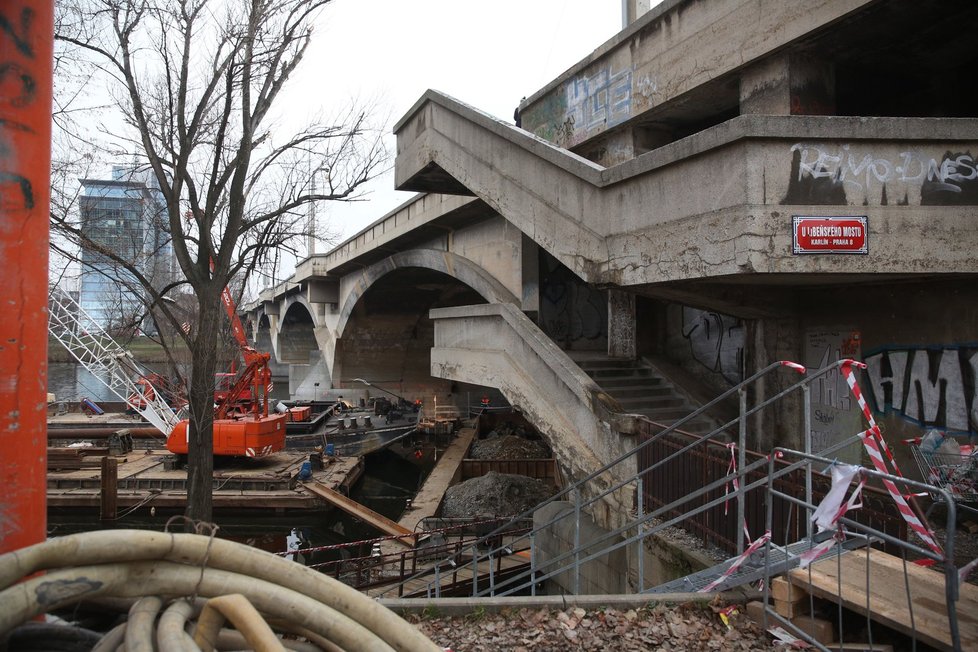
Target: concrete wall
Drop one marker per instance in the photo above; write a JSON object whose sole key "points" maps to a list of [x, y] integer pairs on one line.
{"points": [[605, 574], [496, 246]]}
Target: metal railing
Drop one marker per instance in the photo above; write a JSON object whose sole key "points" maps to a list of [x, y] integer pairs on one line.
{"points": [[903, 612], [775, 494], [641, 524]]}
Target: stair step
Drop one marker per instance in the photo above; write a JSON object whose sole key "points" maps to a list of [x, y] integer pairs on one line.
{"points": [[665, 415], [607, 363], [628, 391], [609, 383], [648, 402], [623, 372]]}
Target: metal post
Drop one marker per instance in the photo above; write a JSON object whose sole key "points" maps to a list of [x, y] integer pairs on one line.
{"points": [[577, 542], [741, 461], [640, 544], [475, 570], [806, 393], [492, 578], [25, 169], [533, 564]]}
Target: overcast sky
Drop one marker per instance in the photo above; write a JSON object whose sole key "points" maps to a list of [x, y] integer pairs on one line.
{"points": [[486, 54]]}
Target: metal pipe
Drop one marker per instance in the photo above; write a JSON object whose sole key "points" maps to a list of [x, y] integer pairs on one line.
{"points": [[806, 393], [741, 460], [25, 167], [97, 433]]}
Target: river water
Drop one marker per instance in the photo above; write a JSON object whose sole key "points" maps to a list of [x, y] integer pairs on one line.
{"points": [[72, 382]]}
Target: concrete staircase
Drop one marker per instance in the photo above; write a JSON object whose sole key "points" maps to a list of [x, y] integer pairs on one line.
{"points": [[640, 389]]}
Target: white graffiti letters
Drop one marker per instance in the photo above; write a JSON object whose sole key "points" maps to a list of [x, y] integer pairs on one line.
{"points": [[862, 170], [917, 383]]}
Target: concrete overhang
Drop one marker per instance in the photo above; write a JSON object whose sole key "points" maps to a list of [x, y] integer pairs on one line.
{"points": [[720, 202], [682, 61]]}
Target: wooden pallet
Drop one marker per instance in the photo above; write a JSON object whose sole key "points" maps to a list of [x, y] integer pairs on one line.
{"points": [[845, 580]]}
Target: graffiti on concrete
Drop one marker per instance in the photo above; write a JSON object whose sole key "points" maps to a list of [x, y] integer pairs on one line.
{"points": [[18, 89], [716, 341], [841, 174], [572, 313], [928, 386], [834, 414], [599, 100]]}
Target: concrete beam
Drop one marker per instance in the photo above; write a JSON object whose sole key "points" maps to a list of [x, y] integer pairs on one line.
{"points": [[633, 224]]}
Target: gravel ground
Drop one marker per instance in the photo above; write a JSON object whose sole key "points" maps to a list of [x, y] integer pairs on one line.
{"points": [[690, 627], [494, 494]]}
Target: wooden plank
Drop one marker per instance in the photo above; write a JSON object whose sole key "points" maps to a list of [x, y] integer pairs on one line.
{"points": [[845, 580], [138, 463], [110, 488], [363, 513]]}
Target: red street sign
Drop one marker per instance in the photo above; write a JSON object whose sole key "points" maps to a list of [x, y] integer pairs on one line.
{"points": [[829, 235]]}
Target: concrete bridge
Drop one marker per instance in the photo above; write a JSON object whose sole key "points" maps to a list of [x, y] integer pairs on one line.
{"points": [[723, 184]]}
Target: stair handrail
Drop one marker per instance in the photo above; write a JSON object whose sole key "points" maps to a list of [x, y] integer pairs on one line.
{"points": [[739, 387], [719, 483]]}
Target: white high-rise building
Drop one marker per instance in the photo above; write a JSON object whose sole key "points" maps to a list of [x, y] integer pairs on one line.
{"points": [[126, 216]]}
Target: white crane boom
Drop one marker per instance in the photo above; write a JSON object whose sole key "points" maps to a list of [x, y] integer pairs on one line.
{"points": [[95, 349]]}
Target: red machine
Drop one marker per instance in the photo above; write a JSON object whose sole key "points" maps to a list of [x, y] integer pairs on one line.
{"points": [[242, 424]]}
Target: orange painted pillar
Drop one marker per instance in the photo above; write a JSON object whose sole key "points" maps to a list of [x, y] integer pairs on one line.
{"points": [[26, 38]]}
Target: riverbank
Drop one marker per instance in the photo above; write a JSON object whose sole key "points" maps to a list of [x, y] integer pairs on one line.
{"points": [[143, 349]]}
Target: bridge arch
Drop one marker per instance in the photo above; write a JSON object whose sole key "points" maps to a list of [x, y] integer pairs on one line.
{"points": [[296, 333], [385, 333], [445, 262]]}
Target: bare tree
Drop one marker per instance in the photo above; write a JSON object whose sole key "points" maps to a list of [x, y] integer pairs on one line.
{"points": [[195, 81]]}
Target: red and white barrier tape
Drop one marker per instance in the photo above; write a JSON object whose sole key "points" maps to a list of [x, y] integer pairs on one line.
{"points": [[842, 476], [874, 443], [761, 540], [794, 365], [732, 472], [965, 570]]}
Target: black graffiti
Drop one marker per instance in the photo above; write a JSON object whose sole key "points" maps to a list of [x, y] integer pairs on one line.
{"points": [[716, 341], [19, 76], [24, 188], [20, 40], [18, 88]]}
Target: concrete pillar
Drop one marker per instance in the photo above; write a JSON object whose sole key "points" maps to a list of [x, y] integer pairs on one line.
{"points": [[788, 85], [632, 10], [621, 324]]}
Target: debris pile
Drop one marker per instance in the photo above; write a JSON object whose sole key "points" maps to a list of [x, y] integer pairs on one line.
{"points": [[508, 447], [664, 627], [494, 494]]}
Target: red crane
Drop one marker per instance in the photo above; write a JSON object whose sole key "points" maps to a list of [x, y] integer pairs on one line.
{"points": [[242, 424]]}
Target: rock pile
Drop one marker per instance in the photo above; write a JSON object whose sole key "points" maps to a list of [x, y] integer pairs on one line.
{"points": [[494, 494]]}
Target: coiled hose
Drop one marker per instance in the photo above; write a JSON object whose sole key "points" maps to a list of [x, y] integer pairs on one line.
{"points": [[157, 566]]}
